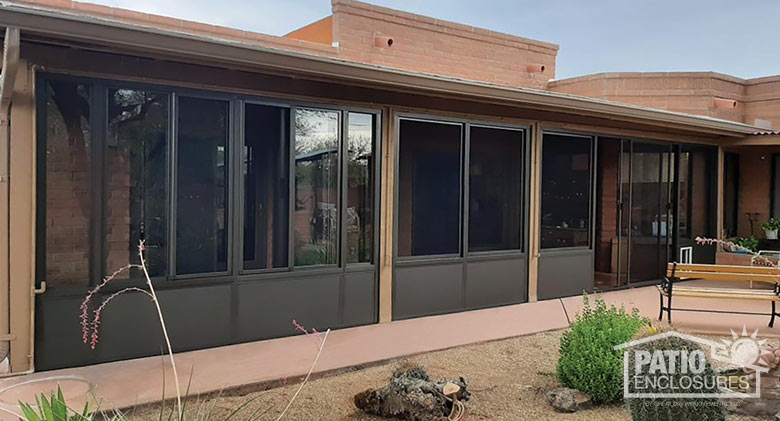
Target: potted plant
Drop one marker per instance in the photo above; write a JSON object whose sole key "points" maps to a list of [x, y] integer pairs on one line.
{"points": [[770, 228]]}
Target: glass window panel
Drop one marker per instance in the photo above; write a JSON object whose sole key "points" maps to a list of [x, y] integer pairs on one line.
{"points": [[696, 193], [201, 209], [731, 195], [266, 186], [429, 188], [68, 216], [360, 188], [316, 216], [566, 164], [137, 167], [495, 189]]}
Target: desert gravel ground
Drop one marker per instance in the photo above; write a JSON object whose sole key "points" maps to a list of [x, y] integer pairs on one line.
{"points": [[508, 380]]}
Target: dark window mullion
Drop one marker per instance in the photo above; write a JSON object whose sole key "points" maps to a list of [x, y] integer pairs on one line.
{"points": [[343, 187], [173, 144], [465, 188], [236, 189], [98, 183], [291, 189]]}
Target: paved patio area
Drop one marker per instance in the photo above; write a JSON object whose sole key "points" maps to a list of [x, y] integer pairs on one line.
{"points": [[136, 382]]}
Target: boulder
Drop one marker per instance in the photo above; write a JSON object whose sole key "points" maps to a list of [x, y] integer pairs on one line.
{"points": [[564, 399], [413, 396]]}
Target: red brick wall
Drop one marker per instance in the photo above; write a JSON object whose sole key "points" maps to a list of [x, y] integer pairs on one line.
{"points": [[67, 203], [427, 45], [763, 101], [755, 166], [691, 93]]}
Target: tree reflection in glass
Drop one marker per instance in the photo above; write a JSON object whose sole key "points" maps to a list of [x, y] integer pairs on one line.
{"points": [[315, 221]]}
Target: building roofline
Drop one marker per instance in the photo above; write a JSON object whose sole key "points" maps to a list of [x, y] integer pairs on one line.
{"points": [[137, 39], [639, 75]]}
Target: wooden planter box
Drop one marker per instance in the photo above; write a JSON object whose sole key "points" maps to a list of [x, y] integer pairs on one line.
{"points": [[733, 259]]}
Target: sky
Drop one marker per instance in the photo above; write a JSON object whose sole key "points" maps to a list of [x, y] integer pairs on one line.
{"points": [[739, 38]]}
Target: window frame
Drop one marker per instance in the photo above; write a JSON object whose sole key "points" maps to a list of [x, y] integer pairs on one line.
{"points": [[593, 151], [524, 190], [230, 144], [464, 254], [99, 90]]}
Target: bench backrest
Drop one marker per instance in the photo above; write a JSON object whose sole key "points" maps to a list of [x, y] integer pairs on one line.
{"points": [[723, 272]]}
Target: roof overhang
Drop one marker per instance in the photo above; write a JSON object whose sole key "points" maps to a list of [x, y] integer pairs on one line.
{"points": [[148, 41], [756, 140]]}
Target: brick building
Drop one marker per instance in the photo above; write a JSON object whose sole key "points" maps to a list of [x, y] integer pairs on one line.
{"points": [[372, 166]]}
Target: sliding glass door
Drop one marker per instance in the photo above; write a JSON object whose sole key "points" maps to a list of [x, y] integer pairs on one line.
{"points": [[651, 216], [652, 200]]}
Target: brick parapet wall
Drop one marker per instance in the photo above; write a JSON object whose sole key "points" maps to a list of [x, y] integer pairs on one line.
{"points": [[687, 92], [427, 45]]}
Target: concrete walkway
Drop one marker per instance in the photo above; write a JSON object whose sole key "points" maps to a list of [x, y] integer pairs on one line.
{"points": [[126, 384]]}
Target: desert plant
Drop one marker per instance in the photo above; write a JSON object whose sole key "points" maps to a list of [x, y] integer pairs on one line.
{"points": [[91, 334], [678, 409], [53, 408], [588, 361], [90, 329]]}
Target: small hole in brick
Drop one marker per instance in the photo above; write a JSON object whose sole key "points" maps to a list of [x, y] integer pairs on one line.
{"points": [[390, 42]]}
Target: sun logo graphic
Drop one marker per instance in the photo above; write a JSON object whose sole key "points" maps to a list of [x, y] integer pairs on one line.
{"points": [[742, 350], [675, 365]]}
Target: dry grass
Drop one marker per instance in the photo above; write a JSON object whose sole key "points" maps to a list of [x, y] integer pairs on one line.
{"points": [[508, 380]]}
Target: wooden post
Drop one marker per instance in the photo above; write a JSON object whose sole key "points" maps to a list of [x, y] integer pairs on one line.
{"points": [[534, 211], [720, 191], [22, 219], [386, 225]]}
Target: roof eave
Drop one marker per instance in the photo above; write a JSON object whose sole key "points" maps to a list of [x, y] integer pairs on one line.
{"points": [[134, 38]]}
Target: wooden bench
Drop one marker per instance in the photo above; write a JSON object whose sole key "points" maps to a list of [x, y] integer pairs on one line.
{"points": [[678, 273]]}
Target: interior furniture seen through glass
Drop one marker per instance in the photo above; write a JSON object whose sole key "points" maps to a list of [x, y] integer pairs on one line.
{"points": [[566, 166], [651, 216]]}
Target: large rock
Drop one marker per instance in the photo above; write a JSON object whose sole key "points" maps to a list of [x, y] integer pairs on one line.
{"points": [[564, 399], [769, 403], [412, 396]]}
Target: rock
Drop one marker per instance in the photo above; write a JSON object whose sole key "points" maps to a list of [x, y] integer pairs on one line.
{"points": [[412, 396], [769, 403], [564, 399]]}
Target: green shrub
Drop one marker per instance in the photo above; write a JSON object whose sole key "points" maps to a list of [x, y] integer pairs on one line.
{"points": [[588, 361], [677, 409], [750, 243]]}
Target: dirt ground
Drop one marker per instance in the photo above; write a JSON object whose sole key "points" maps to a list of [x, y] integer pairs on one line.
{"points": [[508, 380]]}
